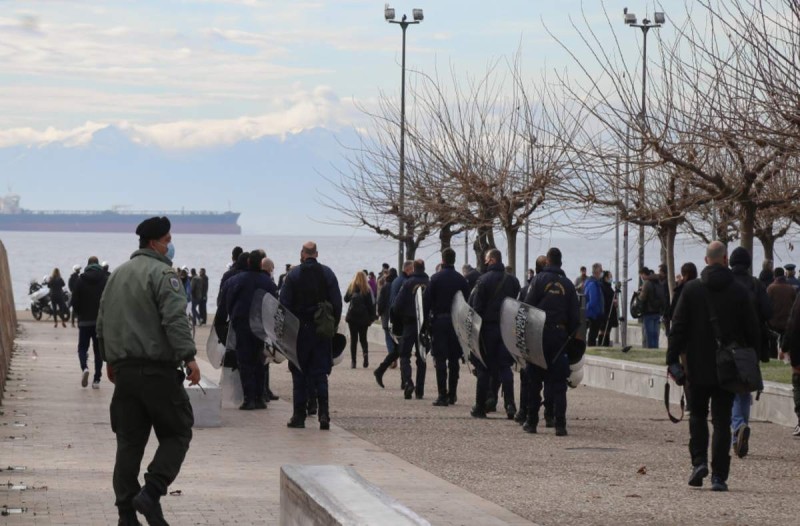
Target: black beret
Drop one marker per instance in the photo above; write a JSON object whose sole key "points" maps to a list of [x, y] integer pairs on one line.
{"points": [[790, 266], [153, 228], [740, 257]]}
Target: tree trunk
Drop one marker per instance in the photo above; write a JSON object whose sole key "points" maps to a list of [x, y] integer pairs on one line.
{"points": [[747, 225], [769, 247], [484, 240], [511, 257], [445, 237], [667, 234]]}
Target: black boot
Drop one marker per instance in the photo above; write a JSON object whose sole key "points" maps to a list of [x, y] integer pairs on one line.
{"points": [[452, 386], [353, 358], [531, 423], [298, 420], [379, 374], [366, 359], [441, 388], [521, 415], [479, 409], [422, 368], [247, 405], [561, 427], [491, 405], [511, 410], [324, 415], [408, 390]]}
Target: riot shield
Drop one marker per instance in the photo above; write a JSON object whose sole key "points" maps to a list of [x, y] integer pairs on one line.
{"points": [[214, 350], [423, 338], [467, 324], [257, 315], [522, 328], [281, 326]]}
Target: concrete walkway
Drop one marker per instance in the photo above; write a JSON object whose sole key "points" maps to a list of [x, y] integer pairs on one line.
{"points": [[623, 462], [231, 474]]}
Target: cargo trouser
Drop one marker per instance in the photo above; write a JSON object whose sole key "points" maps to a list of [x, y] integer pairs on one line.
{"points": [[148, 396]]}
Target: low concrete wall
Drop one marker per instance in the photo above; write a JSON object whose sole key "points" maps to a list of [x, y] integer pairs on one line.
{"points": [[8, 318], [337, 495], [775, 405]]}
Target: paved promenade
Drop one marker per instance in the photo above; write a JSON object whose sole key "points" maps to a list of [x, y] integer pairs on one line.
{"points": [[441, 463]]}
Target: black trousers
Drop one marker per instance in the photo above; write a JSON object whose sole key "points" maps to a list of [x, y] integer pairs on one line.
{"points": [[595, 326], [148, 397], [358, 333], [721, 405]]}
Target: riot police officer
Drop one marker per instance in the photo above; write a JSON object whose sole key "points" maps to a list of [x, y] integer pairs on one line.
{"points": [[438, 300], [404, 306], [487, 297], [305, 288], [144, 337], [555, 294]]}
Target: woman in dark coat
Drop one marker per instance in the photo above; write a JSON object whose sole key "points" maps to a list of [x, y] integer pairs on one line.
{"points": [[688, 273], [360, 315], [57, 298]]}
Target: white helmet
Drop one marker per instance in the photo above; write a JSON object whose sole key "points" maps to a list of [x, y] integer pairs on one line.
{"points": [[45, 279], [575, 378], [104, 264], [577, 366], [76, 268]]}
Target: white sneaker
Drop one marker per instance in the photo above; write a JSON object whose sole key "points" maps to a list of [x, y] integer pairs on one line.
{"points": [[796, 432], [85, 378], [96, 384]]}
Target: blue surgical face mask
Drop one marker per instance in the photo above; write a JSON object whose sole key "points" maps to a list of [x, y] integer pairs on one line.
{"points": [[170, 251]]}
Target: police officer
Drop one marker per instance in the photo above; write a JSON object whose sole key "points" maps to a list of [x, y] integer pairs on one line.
{"points": [[522, 414], [239, 292], [438, 301], [305, 287], [555, 294], [144, 337], [404, 306], [791, 279], [396, 327], [487, 299]]}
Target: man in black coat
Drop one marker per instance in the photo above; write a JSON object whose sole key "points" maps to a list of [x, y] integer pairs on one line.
{"points": [[88, 289], [692, 334], [404, 306], [494, 286], [555, 294], [438, 302], [471, 275]]}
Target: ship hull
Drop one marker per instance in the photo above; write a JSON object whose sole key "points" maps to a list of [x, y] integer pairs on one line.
{"points": [[182, 223]]}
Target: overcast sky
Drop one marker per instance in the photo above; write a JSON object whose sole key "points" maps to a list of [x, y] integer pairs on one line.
{"points": [[195, 73]]}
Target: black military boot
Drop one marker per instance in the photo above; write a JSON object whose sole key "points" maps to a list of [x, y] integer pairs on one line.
{"points": [[452, 387], [247, 405], [352, 358], [511, 410], [298, 420], [521, 415], [531, 423], [441, 388], [379, 373], [422, 368], [408, 390], [561, 427], [324, 415], [549, 419], [491, 405], [479, 409], [366, 359]]}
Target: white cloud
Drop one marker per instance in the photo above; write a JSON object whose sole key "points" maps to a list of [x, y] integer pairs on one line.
{"points": [[28, 136]]}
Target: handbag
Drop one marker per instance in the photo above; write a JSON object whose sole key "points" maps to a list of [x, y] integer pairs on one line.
{"points": [[737, 366], [636, 306]]}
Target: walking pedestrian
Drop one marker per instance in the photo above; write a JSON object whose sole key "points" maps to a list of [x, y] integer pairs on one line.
{"points": [[57, 298], [88, 290], [404, 307], [360, 315], [144, 338]]}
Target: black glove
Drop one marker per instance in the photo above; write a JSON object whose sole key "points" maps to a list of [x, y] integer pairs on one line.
{"points": [[677, 373]]}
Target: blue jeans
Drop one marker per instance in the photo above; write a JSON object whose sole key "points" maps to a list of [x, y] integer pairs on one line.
{"points": [[389, 341], [87, 335], [741, 411], [650, 323]]}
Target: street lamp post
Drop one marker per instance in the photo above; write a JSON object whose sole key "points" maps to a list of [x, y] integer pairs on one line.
{"points": [[417, 16], [658, 20]]}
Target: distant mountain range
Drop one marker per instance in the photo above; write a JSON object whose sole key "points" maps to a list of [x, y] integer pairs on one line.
{"points": [[273, 181]]}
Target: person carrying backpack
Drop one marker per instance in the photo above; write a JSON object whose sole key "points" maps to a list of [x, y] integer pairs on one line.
{"points": [[653, 304], [359, 315]]}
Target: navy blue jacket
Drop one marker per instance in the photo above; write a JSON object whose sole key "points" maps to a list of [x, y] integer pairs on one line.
{"points": [[396, 286], [404, 304], [241, 288], [472, 278], [486, 298], [553, 293], [308, 284], [444, 285]]}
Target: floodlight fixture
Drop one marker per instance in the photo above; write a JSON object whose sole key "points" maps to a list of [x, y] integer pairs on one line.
{"points": [[659, 17], [417, 14], [388, 12], [630, 18]]}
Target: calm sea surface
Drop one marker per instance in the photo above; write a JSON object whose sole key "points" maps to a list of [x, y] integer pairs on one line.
{"points": [[33, 255]]}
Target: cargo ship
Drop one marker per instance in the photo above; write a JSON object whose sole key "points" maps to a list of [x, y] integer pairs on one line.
{"points": [[117, 219]]}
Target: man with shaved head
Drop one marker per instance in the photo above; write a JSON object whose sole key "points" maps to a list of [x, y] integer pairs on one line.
{"points": [[717, 292], [309, 290]]}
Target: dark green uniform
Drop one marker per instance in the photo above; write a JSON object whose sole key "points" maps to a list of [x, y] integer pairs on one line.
{"points": [[144, 336]]}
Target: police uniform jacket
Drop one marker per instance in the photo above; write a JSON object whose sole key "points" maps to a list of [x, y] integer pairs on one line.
{"points": [[241, 289], [143, 313], [308, 284], [444, 285], [692, 333], [552, 292], [492, 288], [404, 304]]}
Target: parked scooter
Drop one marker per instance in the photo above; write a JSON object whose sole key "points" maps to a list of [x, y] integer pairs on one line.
{"points": [[39, 293]]}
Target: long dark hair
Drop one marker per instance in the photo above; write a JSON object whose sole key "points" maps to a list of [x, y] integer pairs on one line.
{"points": [[56, 274]]}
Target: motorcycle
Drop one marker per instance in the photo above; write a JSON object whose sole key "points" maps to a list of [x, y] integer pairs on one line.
{"points": [[39, 293]]}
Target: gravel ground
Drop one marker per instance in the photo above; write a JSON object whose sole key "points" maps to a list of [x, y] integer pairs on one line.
{"points": [[623, 462]]}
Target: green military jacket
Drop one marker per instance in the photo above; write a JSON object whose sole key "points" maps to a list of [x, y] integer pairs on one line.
{"points": [[143, 313]]}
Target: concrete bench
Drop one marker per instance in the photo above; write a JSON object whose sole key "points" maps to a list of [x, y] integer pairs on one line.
{"points": [[206, 403], [337, 495]]}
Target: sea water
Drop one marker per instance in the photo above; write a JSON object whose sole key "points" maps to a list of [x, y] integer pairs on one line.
{"points": [[33, 255]]}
